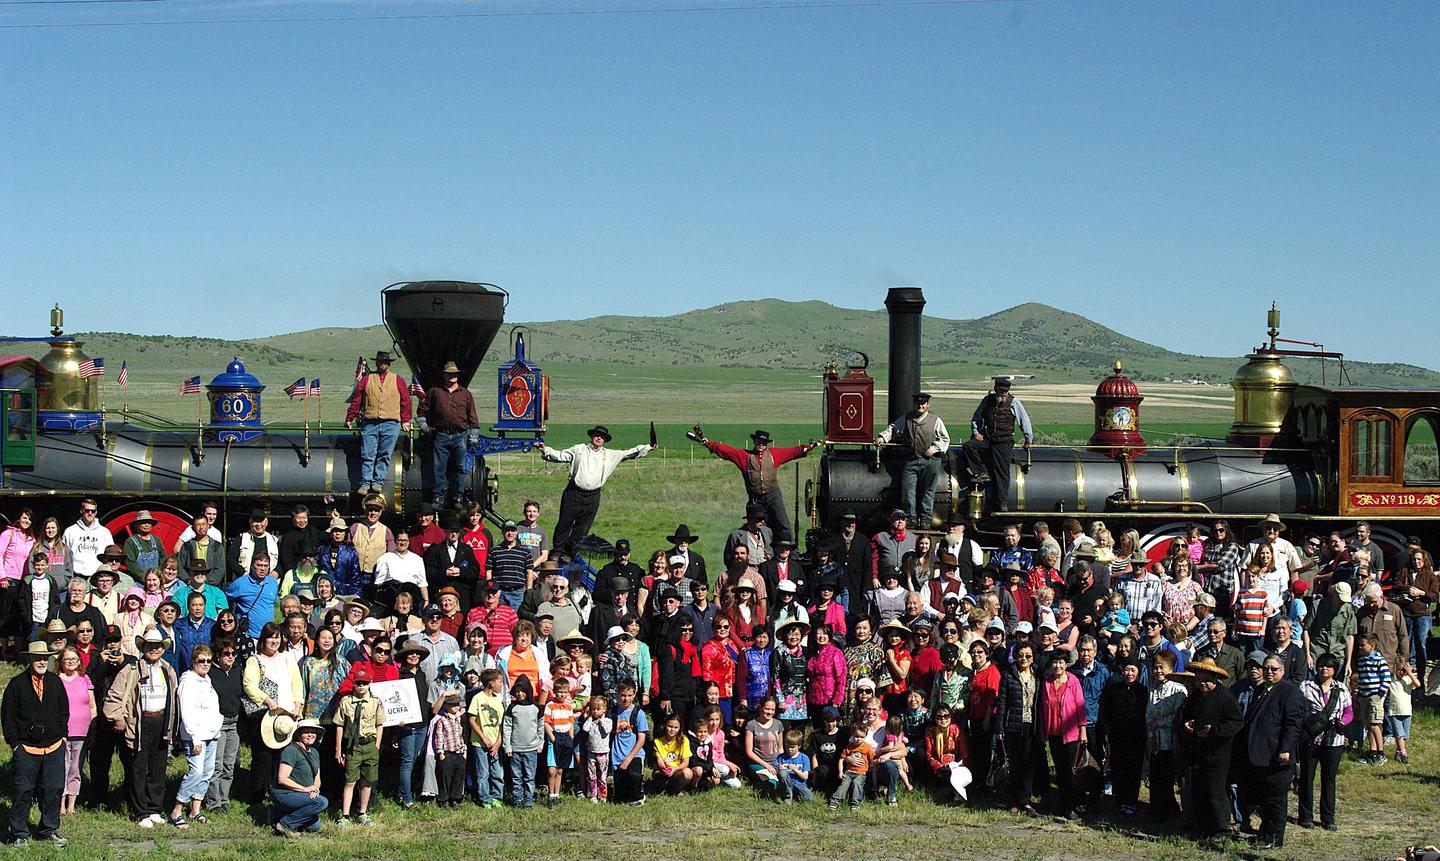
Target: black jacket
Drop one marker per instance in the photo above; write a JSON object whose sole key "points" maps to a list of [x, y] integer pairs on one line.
{"points": [[1122, 712], [770, 573], [437, 559], [1222, 714], [1273, 724], [30, 720], [696, 569], [294, 541], [856, 564], [1010, 702]]}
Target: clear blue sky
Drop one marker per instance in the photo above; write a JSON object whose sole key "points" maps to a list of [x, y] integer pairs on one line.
{"points": [[1164, 168]]}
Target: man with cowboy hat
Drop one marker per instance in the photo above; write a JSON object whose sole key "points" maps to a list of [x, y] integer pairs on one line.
{"points": [[591, 465], [36, 713], [992, 441], [113, 558], [449, 409], [760, 466], [381, 401], [923, 435], [1209, 722], [681, 543], [143, 549], [141, 705]]}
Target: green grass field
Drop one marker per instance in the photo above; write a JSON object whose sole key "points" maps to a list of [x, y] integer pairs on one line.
{"points": [[1381, 810]]}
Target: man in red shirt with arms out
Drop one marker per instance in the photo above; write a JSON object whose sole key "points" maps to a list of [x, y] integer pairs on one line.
{"points": [[760, 465]]}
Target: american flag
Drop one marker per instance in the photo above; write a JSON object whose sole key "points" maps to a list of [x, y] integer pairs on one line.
{"points": [[297, 389], [190, 386], [360, 370], [315, 388], [124, 377], [415, 388], [92, 368]]}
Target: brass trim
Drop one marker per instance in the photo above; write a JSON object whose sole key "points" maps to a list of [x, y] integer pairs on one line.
{"points": [[110, 464], [265, 465], [1132, 478], [955, 500], [184, 468], [147, 476], [330, 468], [1183, 470], [1079, 484], [1019, 490]]}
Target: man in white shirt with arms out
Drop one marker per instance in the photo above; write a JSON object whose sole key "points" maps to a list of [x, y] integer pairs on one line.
{"points": [[590, 467]]}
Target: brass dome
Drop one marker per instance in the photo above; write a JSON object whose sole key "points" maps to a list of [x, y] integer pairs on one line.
{"points": [[59, 387], [1264, 392]]}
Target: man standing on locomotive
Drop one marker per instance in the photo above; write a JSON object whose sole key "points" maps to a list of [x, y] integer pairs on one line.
{"points": [[591, 465], [992, 441], [382, 403], [450, 411], [924, 435], [760, 465]]}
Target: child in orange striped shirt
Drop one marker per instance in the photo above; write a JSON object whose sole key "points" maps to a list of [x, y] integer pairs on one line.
{"points": [[560, 737]]}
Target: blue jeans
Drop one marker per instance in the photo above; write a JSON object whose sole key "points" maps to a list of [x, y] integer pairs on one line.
{"points": [[887, 777], [1419, 632], [297, 810], [522, 772], [200, 768], [377, 446], [449, 453], [412, 742], [512, 597], [790, 787], [488, 773]]}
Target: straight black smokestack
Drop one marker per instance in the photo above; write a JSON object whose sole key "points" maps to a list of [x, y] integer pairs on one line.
{"points": [[904, 305]]}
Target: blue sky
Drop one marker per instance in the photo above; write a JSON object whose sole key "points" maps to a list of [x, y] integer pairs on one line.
{"points": [[1164, 168]]}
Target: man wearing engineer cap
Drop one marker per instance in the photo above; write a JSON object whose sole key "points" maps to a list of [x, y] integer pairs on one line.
{"points": [[591, 465], [992, 441], [760, 465], [925, 439]]}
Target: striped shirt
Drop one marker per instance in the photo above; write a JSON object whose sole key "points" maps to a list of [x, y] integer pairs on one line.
{"points": [[508, 566], [1250, 612], [560, 717], [1374, 674]]}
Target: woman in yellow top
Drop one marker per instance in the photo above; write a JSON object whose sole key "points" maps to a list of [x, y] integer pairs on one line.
{"points": [[272, 684]]}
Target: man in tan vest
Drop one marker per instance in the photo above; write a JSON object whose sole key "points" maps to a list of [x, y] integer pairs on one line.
{"points": [[382, 403]]}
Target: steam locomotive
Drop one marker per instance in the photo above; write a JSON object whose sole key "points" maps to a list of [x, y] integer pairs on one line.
{"points": [[1321, 456], [60, 445]]}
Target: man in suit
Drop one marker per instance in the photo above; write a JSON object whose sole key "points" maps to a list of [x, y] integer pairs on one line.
{"points": [[1269, 747], [605, 616], [680, 545], [784, 565], [453, 563], [852, 557]]}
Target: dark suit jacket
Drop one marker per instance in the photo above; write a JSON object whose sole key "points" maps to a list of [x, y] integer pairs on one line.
{"points": [[770, 572], [1274, 720], [856, 565], [696, 569], [437, 559]]}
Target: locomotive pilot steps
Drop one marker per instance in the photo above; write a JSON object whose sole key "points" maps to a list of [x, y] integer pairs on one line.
{"points": [[1322, 457], [59, 446]]}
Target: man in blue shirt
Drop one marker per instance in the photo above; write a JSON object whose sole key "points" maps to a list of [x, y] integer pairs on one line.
{"points": [[253, 596], [193, 628]]}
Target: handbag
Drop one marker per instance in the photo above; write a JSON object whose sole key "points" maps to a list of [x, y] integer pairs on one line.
{"points": [[268, 688], [1321, 720], [999, 777]]}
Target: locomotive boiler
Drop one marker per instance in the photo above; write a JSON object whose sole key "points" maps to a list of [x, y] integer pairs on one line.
{"points": [[61, 445], [1319, 455]]}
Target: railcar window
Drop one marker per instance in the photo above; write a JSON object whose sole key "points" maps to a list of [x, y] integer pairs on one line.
{"points": [[1370, 455], [1422, 451]]}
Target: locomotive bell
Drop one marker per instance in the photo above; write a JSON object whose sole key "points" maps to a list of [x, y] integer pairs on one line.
{"points": [[434, 322]]}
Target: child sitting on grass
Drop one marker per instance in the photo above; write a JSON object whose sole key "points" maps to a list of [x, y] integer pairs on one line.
{"points": [[857, 757], [672, 757], [794, 768]]}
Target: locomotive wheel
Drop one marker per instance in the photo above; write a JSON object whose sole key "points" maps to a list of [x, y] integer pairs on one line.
{"points": [[170, 521]]}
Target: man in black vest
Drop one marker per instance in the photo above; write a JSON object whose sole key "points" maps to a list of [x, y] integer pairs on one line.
{"points": [[969, 557], [925, 440], [992, 441], [760, 465]]}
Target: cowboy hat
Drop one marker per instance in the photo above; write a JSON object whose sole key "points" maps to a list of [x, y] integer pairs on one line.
{"points": [[152, 637], [112, 553], [411, 645], [760, 437], [600, 431], [277, 729], [1272, 520], [1206, 665], [682, 533], [37, 651], [1139, 557], [450, 368], [105, 569], [384, 358], [198, 566]]}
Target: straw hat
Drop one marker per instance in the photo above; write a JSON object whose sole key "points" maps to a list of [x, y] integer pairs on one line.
{"points": [[277, 729], [1205, 665]]}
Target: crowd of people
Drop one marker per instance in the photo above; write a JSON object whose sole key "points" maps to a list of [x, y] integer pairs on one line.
{"points": [[441, 664]]}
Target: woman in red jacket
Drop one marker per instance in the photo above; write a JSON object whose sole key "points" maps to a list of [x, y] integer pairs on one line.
{"points": [[719, 657], [980, 711], [945, 747], [1062, 706]]}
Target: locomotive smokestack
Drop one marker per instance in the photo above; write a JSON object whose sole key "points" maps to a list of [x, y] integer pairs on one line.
{"points": [[904, 305], [434, 322]]}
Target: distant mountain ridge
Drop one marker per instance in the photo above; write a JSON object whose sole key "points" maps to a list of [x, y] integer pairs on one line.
{"points": [[1054, 345]]}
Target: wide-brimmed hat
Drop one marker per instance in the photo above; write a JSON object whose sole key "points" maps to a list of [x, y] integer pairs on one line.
{"points": [[1272, 520], [760, 437], [615, 631], [151, 637], [144, 516], [198, 566], [1206, 665], [412, 645], [682, 533], [105, 569], [949, 560], [600, 431], [36, 651], [795, 623], [277, 729], [893, 625], [337, 523], [113, 553], [574, 637], [450, 368], [753, 510], [310, 724], [382, 357], [356, 602], [369, 624], [55, 626]]}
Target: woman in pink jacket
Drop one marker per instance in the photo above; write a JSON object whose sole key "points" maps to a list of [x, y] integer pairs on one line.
{"points": [[15, 544], [827, 672], [1062, 713]]}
